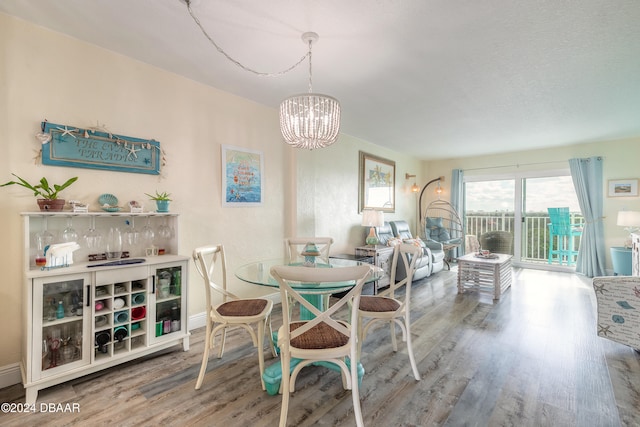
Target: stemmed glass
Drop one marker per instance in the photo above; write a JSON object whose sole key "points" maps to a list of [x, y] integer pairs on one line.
{"points": [[92, 237], [69, 234], [147, 233], [164, 234], [131, 234], [43, 239]]}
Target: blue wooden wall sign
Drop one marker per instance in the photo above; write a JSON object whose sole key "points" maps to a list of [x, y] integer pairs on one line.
{"points": [[94, 149]]}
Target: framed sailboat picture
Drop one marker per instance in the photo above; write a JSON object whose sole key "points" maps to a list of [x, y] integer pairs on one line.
{"points": [[242, 177]]}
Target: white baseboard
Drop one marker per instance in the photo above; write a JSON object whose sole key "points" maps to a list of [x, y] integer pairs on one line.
{"points": [[11, 375]]}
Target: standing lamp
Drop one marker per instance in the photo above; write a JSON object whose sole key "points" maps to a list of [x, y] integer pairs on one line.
{"points": [[372, 218], [630, 220]]}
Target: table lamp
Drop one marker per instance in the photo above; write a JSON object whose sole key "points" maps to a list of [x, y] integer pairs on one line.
{"points": [[630, 220], [372, 218]]}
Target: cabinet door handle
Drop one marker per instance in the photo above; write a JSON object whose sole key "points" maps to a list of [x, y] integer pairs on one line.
{"points": [[153, 284], [88, 295]]}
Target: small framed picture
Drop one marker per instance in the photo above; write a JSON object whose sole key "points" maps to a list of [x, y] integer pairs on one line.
{"points": [[242, 177], [623, 188]]}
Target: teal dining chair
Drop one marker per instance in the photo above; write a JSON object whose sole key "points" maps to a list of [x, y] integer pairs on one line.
{"points": [[562, 234]]}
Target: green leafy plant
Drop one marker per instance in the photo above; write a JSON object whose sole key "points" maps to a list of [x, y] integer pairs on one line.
{"points": [[160, 196], [43, 189]]}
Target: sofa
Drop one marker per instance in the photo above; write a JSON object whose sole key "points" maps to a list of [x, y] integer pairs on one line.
{"points": [[432, 260]]}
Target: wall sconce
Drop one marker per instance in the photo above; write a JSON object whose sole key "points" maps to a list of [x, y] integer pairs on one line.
{"points": [[438, 189], [414, 187]]}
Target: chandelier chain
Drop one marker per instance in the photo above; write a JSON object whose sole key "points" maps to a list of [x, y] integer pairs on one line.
{"points": [[310, 72], [259, 73]]}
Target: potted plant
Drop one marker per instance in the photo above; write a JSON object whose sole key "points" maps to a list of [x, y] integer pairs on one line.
{"points": [[162, 201], [48, 194]]}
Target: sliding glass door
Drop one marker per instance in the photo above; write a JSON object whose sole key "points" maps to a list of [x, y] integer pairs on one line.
{"points": [[514, 206]]}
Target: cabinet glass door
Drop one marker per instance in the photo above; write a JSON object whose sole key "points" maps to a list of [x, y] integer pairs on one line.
{"points": [[168, 300], [60, 323]]}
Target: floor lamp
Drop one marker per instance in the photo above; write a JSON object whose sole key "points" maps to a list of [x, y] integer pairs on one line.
{"points": [[438, 179]]}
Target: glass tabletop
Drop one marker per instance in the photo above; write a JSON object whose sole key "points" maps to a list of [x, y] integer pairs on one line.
{"points": [[259, 273]]}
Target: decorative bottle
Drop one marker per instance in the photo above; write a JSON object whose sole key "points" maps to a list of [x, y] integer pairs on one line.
{"points": [[60, 310]]}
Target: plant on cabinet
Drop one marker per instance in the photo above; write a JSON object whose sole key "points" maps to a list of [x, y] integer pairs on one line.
{"points": [[47, 194], [162, 200]]}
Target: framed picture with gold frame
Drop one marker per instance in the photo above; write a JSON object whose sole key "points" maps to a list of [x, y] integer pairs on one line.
{"points": [[377, 183]]}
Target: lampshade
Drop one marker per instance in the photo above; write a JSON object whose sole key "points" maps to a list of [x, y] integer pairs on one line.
{"points": [[310, 120], [628, 219], [372, 218]]}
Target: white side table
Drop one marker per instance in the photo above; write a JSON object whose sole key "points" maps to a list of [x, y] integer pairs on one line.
{"points": [[484, 274]]}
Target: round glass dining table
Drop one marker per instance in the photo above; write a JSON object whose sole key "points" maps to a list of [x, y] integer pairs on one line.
{"points": [[259, 273]]}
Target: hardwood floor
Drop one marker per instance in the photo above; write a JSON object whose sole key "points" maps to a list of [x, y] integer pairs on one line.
{"points": [[531, 359]]}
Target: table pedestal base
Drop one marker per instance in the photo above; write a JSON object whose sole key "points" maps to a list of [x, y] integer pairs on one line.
{"points": [[273, 374]]}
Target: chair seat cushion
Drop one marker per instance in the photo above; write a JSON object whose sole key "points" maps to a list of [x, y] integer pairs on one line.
{"points": [[378, 304], [243, 307], [319, 337]]}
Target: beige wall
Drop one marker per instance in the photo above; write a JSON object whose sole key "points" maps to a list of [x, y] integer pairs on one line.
{"points": [[50, 76]]}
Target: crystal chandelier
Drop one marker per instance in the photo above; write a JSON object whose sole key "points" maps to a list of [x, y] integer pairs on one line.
{"points": [[310, 120]]}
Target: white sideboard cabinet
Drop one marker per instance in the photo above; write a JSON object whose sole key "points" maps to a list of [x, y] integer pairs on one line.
{"points": [[82, 318]]}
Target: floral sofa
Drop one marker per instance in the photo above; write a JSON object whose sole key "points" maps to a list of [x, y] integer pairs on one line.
{"points": [[432, 260]]}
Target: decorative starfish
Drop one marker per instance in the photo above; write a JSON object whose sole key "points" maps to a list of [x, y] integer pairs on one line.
{"points": [[66, 131], [600, 289], [132, 151], [603, 330]]}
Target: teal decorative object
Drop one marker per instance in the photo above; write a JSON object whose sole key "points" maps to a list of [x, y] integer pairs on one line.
{"points": [[310, 253], [162, 205]]}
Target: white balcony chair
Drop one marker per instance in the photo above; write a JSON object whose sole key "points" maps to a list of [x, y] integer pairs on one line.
{"points": [[386, 307], [323, 338], [232, 312]]}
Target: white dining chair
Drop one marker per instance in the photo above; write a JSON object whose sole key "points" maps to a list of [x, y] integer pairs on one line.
{"points": [[323, 338], [232, 312], [388, 308], [294, 248]]}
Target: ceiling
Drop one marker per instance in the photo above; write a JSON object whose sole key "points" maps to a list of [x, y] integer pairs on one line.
{"points": [[432, 78]]}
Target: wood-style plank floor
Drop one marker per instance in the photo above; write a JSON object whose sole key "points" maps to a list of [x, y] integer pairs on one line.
{"points": [[531, 359]]}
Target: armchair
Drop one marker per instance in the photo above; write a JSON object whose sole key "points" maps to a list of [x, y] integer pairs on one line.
{"points": [[432, 260]]}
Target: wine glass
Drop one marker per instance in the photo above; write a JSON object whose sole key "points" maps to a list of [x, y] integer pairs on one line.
{"points": [[164, 234], [69, 234], [43, 239], [147, 233], [92, 237], [131, 234]]}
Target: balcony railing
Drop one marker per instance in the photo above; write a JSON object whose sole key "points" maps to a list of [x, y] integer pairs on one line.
{"points": [[535, 247]]}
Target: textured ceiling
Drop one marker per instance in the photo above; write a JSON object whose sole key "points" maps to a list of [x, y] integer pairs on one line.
{"points": [[434, 79]]}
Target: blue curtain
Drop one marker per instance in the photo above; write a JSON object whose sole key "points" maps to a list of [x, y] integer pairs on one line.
{"points": [[457, 201], [587, 180]]}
